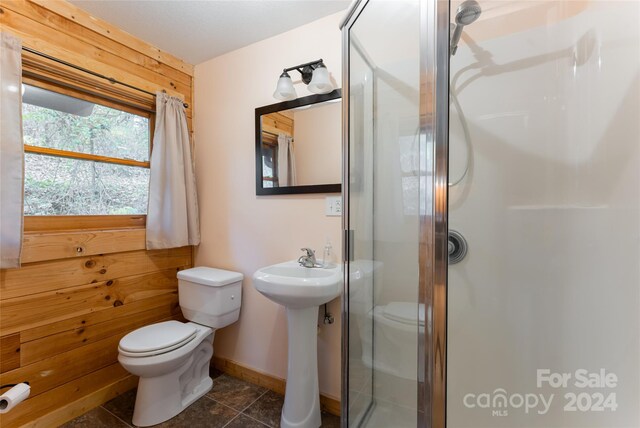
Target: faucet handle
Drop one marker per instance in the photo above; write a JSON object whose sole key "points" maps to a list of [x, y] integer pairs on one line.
{"points": [[309, 251]]}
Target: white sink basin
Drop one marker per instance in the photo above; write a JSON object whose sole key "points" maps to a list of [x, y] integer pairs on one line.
{"points": [[301, 290], [294, 286]]}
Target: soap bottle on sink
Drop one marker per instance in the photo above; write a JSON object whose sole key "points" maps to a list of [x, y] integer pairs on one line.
{"points": [[327, 255]]}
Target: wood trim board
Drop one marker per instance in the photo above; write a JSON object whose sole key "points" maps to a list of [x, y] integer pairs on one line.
{"points": [[83, 156], [327, 403], [38, 247], [82, 222]]}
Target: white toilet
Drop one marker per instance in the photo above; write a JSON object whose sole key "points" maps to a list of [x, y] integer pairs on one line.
{"points": [[395, 333], [172, 358]]}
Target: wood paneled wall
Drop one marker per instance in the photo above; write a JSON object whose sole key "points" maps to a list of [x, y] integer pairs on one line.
{"points": [[79, 291], [277, 123]]}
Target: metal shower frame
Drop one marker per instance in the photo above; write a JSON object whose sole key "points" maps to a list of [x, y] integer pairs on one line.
{"points": [[433, 248]]}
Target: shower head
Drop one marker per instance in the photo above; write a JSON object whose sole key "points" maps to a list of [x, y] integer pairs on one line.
{"points": [[466, 14]]}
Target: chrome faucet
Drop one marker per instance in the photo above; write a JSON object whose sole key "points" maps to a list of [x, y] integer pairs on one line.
{"points": [[309, 259]]}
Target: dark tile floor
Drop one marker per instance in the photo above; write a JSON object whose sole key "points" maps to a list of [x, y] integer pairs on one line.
{"points": [[231, 403]]}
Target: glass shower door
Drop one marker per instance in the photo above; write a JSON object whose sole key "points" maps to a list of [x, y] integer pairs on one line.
{"points": [[382, 214]]}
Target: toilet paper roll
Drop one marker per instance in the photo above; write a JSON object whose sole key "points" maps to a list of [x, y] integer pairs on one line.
{"points": [[14, 396]]}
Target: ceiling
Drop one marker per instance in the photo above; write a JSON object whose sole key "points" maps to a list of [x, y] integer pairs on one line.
{"points": [[198, 30]]}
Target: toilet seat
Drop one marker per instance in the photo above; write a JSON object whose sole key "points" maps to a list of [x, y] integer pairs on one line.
{"points": [[157, 339], [404, 312]]}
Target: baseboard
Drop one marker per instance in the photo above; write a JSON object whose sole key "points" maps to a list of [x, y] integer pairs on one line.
{"points": [[84, 404], [327, 403]]}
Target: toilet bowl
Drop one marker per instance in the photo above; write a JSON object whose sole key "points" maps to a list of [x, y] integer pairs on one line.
{"points": [[395, 338], [172, 358]]}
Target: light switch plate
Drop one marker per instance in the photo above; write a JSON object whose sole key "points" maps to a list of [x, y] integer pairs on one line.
{"points": [[333, 206]]}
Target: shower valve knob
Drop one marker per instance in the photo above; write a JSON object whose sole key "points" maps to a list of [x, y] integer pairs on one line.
{"points": [[457, 247]]}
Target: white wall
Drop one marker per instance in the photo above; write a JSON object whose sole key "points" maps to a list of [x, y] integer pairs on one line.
{"points": [[550, 209], [243, 232]]}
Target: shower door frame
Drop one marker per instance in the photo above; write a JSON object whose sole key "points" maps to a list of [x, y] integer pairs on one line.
{"points": [[433, 213], [354, 11]]}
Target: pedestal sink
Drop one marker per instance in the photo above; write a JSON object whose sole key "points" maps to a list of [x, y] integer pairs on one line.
{"points": [[301, 290]]}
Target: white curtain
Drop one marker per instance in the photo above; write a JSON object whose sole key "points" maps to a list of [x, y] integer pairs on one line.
{"points": [[286, 162], [172, 216], [11, 151]]}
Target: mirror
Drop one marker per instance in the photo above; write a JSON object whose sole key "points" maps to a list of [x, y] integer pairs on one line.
{"points": [[299, 146]]}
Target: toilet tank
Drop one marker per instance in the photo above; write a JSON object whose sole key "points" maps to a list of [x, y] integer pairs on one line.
{"points": [[210, 296]]}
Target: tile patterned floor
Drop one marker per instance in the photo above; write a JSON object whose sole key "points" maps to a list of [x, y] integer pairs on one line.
{"points": [[231, 403]]}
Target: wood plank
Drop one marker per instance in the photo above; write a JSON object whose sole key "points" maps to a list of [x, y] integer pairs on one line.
{"points": [[40, 309], [83, 156], [38, 68], [254, 376], [281, 117], [41, 277], [163, 302], [277, 124], [38, 247], [82, 222], [62, 368], [68, 411], [78, 15], [327, 403], [51, 402], [49, 346], [74, 29], [9, 352], [39, 37], [330, 405], [277, 131]]}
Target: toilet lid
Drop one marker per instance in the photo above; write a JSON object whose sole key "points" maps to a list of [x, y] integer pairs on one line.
{"points": [[404, 312], [157, 338]]}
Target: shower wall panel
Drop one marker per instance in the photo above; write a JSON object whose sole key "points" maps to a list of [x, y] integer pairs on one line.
{"points": [[550, 206]]}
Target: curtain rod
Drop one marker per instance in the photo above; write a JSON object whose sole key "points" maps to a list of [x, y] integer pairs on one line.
{"points": [[93, 73]]}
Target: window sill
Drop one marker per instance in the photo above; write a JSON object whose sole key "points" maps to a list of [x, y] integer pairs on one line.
{"points": [[73, 223]]}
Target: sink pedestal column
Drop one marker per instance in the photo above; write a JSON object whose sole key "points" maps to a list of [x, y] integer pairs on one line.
{"points": [[302, 397]]}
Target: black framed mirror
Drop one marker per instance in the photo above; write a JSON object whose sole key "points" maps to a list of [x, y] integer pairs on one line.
{"points": [[299, 146]]}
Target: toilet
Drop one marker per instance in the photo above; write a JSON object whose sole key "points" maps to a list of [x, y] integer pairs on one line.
{"points": [[387, 332], [172, 358], [395, 333]]}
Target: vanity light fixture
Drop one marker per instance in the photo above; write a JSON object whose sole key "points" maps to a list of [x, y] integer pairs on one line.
{"points": [[314, 74], [284, 89]]}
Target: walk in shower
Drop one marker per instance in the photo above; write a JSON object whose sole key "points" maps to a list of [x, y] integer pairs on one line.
{"points": [[492, 214]]}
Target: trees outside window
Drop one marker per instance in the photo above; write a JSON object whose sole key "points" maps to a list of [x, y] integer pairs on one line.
{"points": [[83, 158]]}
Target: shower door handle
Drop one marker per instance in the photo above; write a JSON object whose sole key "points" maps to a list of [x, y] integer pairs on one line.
{"points": [[348, 245]]}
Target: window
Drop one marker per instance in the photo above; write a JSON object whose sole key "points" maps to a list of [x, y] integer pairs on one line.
{"points": [[83, 157], [269, 164]]}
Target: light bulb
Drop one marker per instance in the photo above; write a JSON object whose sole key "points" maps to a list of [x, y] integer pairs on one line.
{"points": [[284, 89], [320, 83]]}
